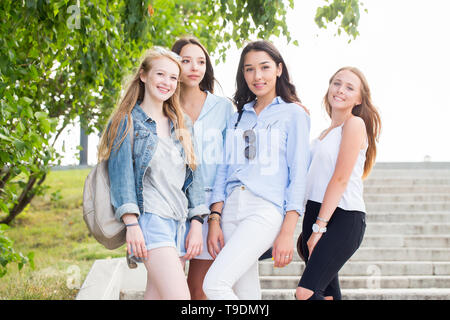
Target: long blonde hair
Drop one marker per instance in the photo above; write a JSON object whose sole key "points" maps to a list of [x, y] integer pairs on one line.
{"points": [[367, 111], [135, 92]]}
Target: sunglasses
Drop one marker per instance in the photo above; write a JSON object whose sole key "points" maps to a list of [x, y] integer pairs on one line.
{"points": [[162, 50], [249, 138]]}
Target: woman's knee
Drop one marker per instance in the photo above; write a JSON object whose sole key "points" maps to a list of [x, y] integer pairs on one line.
{"points": [[214, 287], [303, 293]]}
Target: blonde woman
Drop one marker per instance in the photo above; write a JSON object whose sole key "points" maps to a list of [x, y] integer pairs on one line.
{"points": [[334, 222], [155, 188]]}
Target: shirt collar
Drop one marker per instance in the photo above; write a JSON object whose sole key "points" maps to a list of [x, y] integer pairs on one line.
{"points": [[208, 105], [141, 115], [249, 106]]}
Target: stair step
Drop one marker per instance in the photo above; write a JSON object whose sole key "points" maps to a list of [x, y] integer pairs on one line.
{"points": [[409, 173], [369, 294], [408, 206], [407, 181], [365, 268], [347, 294], [402, 189], [434, 197], [398, 228], [425, 241], [398, 254], [364, 282], [408, 217], [403, 241]]}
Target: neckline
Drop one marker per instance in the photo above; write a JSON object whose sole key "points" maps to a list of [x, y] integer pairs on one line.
{"points": [[329, 133]]}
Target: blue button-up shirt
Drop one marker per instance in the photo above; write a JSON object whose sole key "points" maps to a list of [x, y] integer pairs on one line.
{"points": [[209, 132], [278, 172]]}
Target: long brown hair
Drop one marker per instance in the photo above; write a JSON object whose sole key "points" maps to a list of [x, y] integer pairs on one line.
{"points": [[366, 111], [135, 93], [284, 88], [207, 83]]}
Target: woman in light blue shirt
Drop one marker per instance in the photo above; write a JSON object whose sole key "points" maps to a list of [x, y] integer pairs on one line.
{"points": [[260, 186], [209, 114]]}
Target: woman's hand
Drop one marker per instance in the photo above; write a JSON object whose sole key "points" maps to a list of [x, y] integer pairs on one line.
{"points": [[304, 108], [215, 238], [134, 237], [283, 249], [312, 241], [194, 241]]}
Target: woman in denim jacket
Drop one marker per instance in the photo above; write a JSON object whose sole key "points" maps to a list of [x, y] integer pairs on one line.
{"points": [[155, 188]]}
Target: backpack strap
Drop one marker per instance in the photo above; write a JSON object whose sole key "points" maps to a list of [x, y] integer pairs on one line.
{"points": [[239, 118]]}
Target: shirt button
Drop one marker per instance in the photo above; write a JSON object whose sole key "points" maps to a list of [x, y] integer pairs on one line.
{"points": [[242, 188]]}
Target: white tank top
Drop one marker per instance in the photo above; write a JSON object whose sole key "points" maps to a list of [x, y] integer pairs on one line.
{"points": [[324, 155]]}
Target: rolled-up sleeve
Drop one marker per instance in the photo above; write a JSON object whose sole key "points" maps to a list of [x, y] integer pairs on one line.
{"points": [[298, 158]]}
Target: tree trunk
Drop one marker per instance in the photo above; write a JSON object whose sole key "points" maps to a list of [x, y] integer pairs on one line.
{"points": [[25, 198]]}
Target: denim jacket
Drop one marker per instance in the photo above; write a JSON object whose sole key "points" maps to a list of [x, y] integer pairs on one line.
{"points": [[126, 167]]}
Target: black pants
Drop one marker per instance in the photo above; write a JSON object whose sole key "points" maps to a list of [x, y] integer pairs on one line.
{"points": [[344, 235]]}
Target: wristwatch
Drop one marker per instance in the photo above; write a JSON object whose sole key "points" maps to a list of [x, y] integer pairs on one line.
{"points": [[316, 228]]}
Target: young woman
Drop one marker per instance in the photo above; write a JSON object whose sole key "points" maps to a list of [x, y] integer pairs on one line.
{"points": [[334, 222], [155, 188], [209, 114], [261, 183]]}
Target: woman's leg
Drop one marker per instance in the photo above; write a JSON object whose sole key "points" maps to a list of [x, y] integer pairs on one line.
{"points": [[197, 271], [198, 267], [166, 279], [250, 225], [337, 245]]}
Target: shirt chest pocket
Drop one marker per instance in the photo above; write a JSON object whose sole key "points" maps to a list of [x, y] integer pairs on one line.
{"points": [[142, 140], [272, 133]]}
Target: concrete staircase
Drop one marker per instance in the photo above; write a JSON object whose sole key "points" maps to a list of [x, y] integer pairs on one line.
{"points": [[405, 253]]}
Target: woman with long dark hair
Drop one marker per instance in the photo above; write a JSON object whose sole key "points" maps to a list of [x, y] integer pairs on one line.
{"points": [[259, 189], [209, 114]]}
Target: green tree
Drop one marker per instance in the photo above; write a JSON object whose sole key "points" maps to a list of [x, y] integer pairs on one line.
{"points": [[64, 60]]}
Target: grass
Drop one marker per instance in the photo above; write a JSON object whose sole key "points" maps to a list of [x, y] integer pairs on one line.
{"points": [[52, 227]]}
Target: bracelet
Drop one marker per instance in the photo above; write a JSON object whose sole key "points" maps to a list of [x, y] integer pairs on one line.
{"points": [[213, 218], [132, 224], [322, 219], [216, 212], [199, 219]]}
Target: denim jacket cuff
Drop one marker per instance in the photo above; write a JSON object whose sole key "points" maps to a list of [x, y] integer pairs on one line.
{"points": [[198, 211], [126, 208]]}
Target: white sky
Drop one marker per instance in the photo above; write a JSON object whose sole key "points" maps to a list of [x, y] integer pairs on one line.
{"points": [[403, 50]]}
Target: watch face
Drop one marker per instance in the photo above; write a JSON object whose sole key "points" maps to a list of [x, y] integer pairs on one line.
{"points": [[315, 228]]}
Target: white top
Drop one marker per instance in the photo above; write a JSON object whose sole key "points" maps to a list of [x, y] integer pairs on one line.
{"points": [[324, 155]]}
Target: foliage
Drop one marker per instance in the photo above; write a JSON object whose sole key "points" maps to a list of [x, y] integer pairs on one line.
{"points": [[8, 254], [346, 10], [63, 60]]}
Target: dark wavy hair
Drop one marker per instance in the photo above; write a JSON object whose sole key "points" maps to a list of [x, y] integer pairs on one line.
{"points": [[208, 80], [284, 88]]}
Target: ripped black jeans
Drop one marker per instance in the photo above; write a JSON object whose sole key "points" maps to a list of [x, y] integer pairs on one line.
{"points": [[344, 235]]}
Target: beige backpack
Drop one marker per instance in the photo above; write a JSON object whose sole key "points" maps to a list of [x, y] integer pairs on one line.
{"points": [[98, 213]]}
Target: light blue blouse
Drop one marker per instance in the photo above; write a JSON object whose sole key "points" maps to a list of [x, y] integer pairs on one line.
{"points": [[278, 172], [209, 133]]}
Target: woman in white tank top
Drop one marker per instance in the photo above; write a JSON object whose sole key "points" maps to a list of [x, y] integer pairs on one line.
{"points": [[343, 154]]}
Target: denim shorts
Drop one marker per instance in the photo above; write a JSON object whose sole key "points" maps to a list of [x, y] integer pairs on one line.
{"points": [[161, 232]]}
